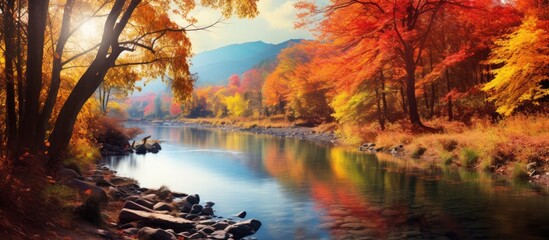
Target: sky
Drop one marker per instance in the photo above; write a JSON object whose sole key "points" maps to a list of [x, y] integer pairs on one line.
{"points": [[274, 24]]}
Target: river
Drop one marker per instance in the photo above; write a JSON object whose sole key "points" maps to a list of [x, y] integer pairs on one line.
{"points": [[304, 190]]}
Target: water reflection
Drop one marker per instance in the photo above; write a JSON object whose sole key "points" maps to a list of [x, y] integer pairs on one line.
{"points": [[303, 190]]}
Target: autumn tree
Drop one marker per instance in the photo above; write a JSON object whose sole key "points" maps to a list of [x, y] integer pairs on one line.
{"points": [[523, 78], [400, 30], [133, 33]]}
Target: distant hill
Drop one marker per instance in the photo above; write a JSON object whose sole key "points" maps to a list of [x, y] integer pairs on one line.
{"points": [[216, 66]]}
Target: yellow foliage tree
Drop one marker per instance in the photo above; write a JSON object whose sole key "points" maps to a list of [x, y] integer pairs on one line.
{"points": [[236, 105], [524, 75]]}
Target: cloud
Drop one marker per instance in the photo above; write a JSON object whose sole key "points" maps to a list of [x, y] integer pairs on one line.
{"points": [[278, 14]]}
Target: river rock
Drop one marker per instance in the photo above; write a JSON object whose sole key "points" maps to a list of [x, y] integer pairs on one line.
{"points": [[65, 174], [136, 206], [196, 209], [197, 235], [220, 225], [140, 149], [150, 197], [145, 203], [148, 233], [96, 192], [155, 219], [240, 214], [207, 211], [102, 183], [243, 229], [192, 199], [131, 231], [162, 206], [209, 204], [220, 234]]}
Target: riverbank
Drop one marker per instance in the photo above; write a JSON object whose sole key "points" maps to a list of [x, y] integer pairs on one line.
{"points": [[515, 147]]}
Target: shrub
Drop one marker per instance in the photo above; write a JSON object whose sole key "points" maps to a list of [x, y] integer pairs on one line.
{"points": [[446, 157], [418, 152], [519, 171], [469, 157], [449, 144]]}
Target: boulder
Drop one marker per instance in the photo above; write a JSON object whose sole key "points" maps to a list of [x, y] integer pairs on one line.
{"points": [[196, 209], [155, 219], [140, 149], [157, 146], [209, 204], [65, 174], [207, 211], [93, 191], [192, 199], [148, 233], [243, 229]]}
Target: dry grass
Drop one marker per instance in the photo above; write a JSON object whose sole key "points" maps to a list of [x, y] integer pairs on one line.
{"points": [[482, 145]]}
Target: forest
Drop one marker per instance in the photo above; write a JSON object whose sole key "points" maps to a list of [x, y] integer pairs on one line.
{"points": [[466, 73]]}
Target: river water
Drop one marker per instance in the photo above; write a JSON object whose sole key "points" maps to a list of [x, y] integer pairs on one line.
{"points": [[304, 190]]}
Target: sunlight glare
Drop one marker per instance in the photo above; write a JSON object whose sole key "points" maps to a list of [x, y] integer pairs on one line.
{"points": [[90, 30]]}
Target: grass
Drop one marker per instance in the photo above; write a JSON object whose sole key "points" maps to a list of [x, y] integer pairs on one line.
{"points": [[446, 157], [418, 152], [482, 144], [468, 157]]}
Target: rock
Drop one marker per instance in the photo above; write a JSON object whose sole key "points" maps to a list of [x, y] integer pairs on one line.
{"points": [[140, 149], [115, 193], [150, 197], [131, 231], [95, 192], [155, 219], [145, 203], [220, 234], [220, 225], [179, 195], [156, 145], [102, 183], [184, 206], [192, 199], [119, 180], [366, 146], [243, 229], [240, 214], [65, 174], [148, 233], [191, 216], [196, 209], [209, 204], [197, 236], [161, 206], [207, 211], [136, 206], [206, 229]]}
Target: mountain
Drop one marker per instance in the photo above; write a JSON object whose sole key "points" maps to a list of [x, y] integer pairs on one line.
{"points": [[216, 66]]}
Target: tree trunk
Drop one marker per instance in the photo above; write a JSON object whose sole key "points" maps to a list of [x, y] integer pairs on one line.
{"points": [[91, 79], [379, 112], [38, 14], [450, 113], [384, 97], [411, 89], [9, 55], [45, 115]]}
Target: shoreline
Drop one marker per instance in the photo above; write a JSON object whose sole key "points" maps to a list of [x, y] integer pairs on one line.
{"points": [[412, 150], [129, 211]]}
